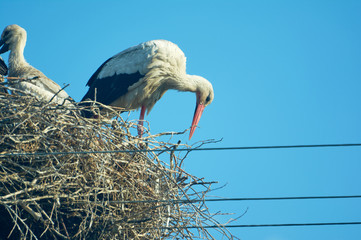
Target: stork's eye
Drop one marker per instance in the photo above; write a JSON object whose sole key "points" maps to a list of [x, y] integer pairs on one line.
{"points": [[208, 99]]}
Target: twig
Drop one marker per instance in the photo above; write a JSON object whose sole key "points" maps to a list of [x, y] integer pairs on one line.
{"points": [[62, 89]]}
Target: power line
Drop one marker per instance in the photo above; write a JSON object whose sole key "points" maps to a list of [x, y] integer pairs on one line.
{"points": [[254, 225], [237, 199], [181, 149], [293, 224]]}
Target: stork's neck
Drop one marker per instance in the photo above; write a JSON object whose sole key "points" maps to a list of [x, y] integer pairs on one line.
{"points": [[183, 82], [16, 56]]}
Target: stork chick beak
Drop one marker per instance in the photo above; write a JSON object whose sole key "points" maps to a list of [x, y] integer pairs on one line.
{"points": [[197, 115]]}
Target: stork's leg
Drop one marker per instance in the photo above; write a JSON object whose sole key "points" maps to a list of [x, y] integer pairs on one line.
{"points": [[140, 122]]}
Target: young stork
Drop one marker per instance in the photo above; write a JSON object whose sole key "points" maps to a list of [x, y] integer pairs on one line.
{"points": [[13, 39], [139, 76]]}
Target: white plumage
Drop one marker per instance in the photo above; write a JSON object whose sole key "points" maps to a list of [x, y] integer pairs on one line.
{"points": [[139, 76], [13, 39]]}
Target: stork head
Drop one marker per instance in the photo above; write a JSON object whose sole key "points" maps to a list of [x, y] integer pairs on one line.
{"points": [[205, 95], [13, 36]]}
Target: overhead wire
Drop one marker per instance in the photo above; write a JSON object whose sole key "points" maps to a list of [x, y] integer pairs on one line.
{"points": [[220, 199], [237, 199], [182, 149], [254, 225]]}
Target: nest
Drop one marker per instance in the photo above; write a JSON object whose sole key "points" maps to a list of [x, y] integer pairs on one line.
{"points": [[67, 177]]}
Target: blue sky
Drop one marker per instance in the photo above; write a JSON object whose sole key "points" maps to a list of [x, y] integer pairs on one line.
{"points": [[284, 72]]}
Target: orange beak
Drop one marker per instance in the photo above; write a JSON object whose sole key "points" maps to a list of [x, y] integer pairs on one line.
{"points": [[197, 116]]}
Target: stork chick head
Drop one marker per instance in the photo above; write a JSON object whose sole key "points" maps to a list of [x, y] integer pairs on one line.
{"points": [[12, 37]]}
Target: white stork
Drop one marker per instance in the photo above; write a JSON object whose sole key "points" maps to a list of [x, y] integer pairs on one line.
{"points": [[13, 39], [3, 68], [139, 76]]}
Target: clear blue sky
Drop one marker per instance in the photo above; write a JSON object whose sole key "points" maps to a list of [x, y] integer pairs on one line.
{"points": [[284, 72]]}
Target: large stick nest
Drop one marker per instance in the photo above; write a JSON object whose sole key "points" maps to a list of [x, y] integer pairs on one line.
{"points": [[53, 188]]}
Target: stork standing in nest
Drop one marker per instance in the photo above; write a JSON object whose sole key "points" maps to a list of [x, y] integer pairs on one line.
{"points": [[139, 76], [30, 79]]}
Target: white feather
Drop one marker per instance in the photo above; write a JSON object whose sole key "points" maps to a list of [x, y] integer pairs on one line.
{"points": [[144, 56]]}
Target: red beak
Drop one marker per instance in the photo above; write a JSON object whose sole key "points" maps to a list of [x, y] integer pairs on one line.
{"points": [[197, 115]]}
